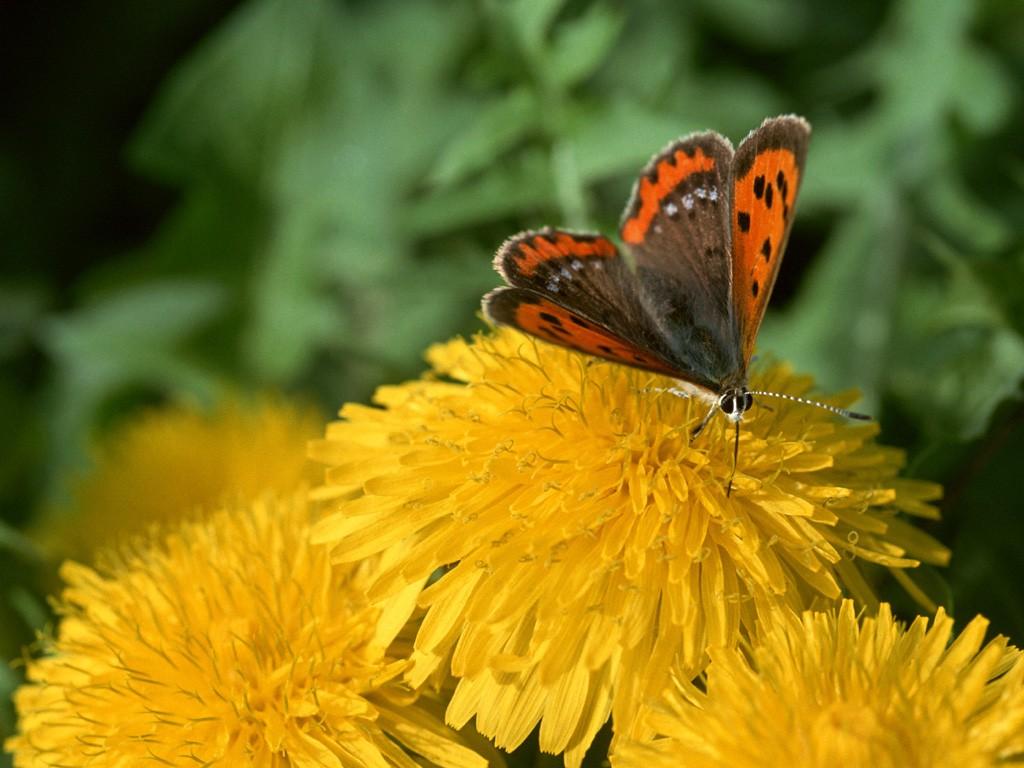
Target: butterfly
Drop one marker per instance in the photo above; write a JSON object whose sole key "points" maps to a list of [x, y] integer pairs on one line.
{"points": [[705, 230]]}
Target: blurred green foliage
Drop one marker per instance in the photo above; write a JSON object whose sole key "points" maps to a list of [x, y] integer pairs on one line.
{"points": [[303, 196]]}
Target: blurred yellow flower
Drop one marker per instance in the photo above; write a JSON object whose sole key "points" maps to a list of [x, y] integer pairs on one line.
{"points": [[826, 690], [171, 462], [590, 544], [234, 642]]}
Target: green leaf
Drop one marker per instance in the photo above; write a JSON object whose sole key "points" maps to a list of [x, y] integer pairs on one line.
{"points": [[426, 304], [845, 165], [132, 338], [30, 608], [983, 91], [226, 109], [653, 52], [921, 37], [1004, 279], [529, 20], [17, 544], [293, 312], [960, 358], [764, 24], [961, 214], [497, 127], [618, 136], [149, 318], [731, 103], [522, 186], [581, 45], [321, 130]]}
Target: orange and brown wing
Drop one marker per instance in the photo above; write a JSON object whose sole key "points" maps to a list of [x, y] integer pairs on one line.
{"points": [[540, 254], [767, 172], [539, 316], [676, 226], [576, 290], [669, 177], [579, 270]]}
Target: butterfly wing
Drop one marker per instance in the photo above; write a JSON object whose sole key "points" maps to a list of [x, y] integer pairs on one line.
{"points": [[703, 269], [576, 290], [676, 226], [767, 172], [539, 316]]}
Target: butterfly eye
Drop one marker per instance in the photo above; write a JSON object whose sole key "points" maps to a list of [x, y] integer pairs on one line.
{"points": [[735, 402]]}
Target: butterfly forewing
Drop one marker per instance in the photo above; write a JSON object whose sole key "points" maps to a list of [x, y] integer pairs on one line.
{"points": [[767, 172], [676, 227]]}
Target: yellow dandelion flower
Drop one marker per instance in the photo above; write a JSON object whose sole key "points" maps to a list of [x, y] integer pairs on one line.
{"points": [[829, 690], [591, 543], [170, 462], [233, 642]]}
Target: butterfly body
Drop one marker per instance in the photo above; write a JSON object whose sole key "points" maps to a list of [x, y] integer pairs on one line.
{"points": [[705, 229]]}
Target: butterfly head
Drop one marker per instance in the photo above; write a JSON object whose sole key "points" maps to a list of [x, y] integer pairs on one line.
{"points": [[735, 402]]}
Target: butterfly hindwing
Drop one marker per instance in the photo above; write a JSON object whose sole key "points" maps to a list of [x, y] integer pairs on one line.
{"points": [[767, 172], [677, 228], [575, 269], [587, 273], [539, 316]]}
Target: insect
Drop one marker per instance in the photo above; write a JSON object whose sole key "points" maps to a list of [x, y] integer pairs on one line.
{"points": [[705, 229]]}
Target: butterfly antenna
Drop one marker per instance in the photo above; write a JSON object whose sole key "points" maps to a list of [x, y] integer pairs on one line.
{"points": [[735, 460], [804, 401]]}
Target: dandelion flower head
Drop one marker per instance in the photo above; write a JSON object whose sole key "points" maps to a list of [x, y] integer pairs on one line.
{"points": [[232, 642], [173, 461], [826, 690], [589, 542]]}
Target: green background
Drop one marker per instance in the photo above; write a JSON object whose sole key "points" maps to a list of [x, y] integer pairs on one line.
{"points": [[303, 195]]}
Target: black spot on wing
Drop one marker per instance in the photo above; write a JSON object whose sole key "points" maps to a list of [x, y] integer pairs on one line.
{"points": [[743, 219], [759, 187], [766, 248]]}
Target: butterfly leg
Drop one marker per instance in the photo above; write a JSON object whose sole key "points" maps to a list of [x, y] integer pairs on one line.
{"points": [[704, 422]]}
